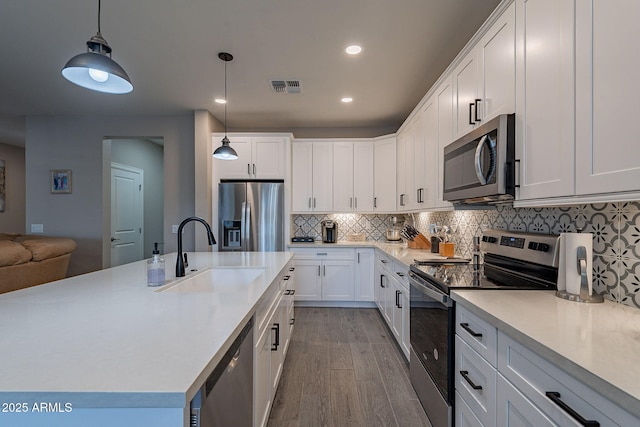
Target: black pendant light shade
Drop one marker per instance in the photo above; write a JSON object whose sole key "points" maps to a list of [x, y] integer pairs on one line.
{"points": [[95, 69], [225, 152]]}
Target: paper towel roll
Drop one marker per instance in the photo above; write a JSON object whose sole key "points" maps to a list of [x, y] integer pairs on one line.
{"points": [[568, 273]]}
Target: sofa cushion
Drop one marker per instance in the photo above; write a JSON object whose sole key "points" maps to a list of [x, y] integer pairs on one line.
{"points": [[47, 247], [12, 253]]}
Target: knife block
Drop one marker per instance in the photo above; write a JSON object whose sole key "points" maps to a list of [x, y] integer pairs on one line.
{"points": [[419, 242]]}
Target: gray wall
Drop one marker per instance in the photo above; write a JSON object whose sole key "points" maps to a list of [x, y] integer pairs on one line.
{"points": [[12, 219], [75, 142], [148, 156]]}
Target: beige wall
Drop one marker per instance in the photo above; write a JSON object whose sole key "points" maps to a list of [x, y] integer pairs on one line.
{"points": [[12, 220], [76, 143]]}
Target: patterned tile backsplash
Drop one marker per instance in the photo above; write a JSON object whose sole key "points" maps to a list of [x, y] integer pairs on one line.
{"points": [[615, 228]]}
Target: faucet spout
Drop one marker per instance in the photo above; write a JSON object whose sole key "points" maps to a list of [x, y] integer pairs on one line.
{"points": [[212, 241]]}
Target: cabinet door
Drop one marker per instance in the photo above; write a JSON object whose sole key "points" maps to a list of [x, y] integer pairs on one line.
{"points": [[497, 66], [396, 307], [401, 172], [385, 294], [545, 68], [234, 169], [343, 177], [308, 280], [417, 160], [405, 341], [384, 182], [378, 287], [608, 58], [277, 350], [364, 279], [465, 85], [362, 177], [444, 95], [301, 177], [428, 158], [268, 157], [262, 379], [337, 281], [515, 410], [322, 177]]}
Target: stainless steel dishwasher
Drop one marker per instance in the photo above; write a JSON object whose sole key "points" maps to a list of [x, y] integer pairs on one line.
{"points": [[226, 398]]}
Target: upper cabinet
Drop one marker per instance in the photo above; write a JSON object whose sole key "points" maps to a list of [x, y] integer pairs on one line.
{"points": [[575, 110], [259, 157], [444, 102], [607, 62], [545, 98], [484, 80], [384, 180], [353, 176], [312, 176]]}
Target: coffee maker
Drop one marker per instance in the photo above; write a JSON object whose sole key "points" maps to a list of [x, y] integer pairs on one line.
{"points": [[329, 231]]}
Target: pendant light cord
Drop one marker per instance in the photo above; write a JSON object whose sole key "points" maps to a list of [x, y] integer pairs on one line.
{"points": [[225, 98], [99, 7]]}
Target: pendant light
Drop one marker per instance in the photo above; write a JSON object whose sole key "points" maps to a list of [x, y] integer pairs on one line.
{"points": [[225, 152], [95, 69]]}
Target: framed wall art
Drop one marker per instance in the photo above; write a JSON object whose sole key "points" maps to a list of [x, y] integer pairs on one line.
{"points": [[60, 181]]}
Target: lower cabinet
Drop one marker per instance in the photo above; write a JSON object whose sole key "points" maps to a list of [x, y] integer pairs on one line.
{"points": [[391, 295], [500, 382], [274, 321], [325, 274]]}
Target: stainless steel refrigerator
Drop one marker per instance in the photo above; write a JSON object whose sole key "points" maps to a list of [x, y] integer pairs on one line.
{"points": [[251, 216]]}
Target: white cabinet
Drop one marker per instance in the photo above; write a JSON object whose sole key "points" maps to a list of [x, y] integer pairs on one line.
{"points": [[384, 181], [425, 156], [545, 69], [312, 176], [324, 274], [475, 366], [607, 62], [353, 176], [364, 274], [501, 382], [484, 80], [444, 101], [259, 157], [392, 298], [272, 333]]}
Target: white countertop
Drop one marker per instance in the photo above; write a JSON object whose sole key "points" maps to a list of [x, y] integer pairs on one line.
{"points": [[105, 339], [399, 251], [599, 344]]}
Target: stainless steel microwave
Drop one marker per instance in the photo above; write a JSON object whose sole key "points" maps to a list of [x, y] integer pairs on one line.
{"points": [[480, 166]]}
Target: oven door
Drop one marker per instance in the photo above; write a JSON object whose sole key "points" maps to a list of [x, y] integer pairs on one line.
{"points": [[432, 320]]}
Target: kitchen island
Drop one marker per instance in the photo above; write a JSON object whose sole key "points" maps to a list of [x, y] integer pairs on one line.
{"points": [[103, 349]]}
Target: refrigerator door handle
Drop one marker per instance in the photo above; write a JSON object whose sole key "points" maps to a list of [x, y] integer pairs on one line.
{"points": [[246, 219]]}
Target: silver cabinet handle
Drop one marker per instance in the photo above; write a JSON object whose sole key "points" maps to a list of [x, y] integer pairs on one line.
{"points": [[314, 202], [254, 169]]}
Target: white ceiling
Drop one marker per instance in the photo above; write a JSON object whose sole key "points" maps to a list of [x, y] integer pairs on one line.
{"points": [[169, 49]]}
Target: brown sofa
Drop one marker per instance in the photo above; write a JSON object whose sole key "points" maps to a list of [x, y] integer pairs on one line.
{"points": [[27, 260]]}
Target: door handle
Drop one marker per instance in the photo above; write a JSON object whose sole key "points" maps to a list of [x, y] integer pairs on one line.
{"points": [[465, 375], [254, 169], [382, 280], [276, 328], [375, 202], [478, 119], [248, 169], [350, 202], [473, 333], [113, 239], [471, 122]]}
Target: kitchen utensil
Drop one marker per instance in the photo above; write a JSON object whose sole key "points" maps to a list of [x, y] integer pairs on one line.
{"points": [[393, 234]]}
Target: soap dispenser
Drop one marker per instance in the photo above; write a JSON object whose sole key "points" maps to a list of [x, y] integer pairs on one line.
{"points": [[155, 268]]}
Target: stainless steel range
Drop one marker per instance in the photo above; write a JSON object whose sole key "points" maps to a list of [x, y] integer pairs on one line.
{"points": [[512, 260]]}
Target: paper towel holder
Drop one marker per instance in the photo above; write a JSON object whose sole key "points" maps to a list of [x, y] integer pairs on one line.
{"points": [[584, 296]]}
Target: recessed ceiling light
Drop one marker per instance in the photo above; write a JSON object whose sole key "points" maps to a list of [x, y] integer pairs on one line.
{"points": [[353, 49], [347, 99], [220, 101]]}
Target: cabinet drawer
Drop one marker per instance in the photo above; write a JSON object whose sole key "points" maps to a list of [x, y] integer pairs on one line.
{"points": [[464, 415], [400, 272], [514, 409], [478, 333], [323, 253], [475, 380], [535, 377], [384, 260]]}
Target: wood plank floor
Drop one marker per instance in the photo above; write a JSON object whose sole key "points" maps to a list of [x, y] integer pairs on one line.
{"points": [[343, 369]]}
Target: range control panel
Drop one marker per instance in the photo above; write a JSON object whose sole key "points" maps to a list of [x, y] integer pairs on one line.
{"points": [[534, 247]]}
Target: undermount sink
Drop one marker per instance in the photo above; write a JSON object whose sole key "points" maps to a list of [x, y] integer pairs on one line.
{"points": [[215, 278]]}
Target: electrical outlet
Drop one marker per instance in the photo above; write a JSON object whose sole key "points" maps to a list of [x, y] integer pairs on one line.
{"points": [[174, 229], [37, 228]]}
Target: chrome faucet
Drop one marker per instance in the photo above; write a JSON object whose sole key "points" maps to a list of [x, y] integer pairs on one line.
{"points": [[180, 261]]}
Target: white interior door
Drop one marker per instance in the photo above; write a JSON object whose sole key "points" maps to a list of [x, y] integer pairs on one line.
{"points": [[126, 214]]}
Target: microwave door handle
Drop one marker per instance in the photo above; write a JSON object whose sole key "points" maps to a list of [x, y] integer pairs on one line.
{"points": [[478, 160]]}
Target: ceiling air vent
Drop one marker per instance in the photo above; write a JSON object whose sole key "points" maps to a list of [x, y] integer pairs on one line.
{"points": [[285, 86]]}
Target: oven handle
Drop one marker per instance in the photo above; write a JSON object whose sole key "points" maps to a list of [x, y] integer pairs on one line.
{"points": [[431, 292]]}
